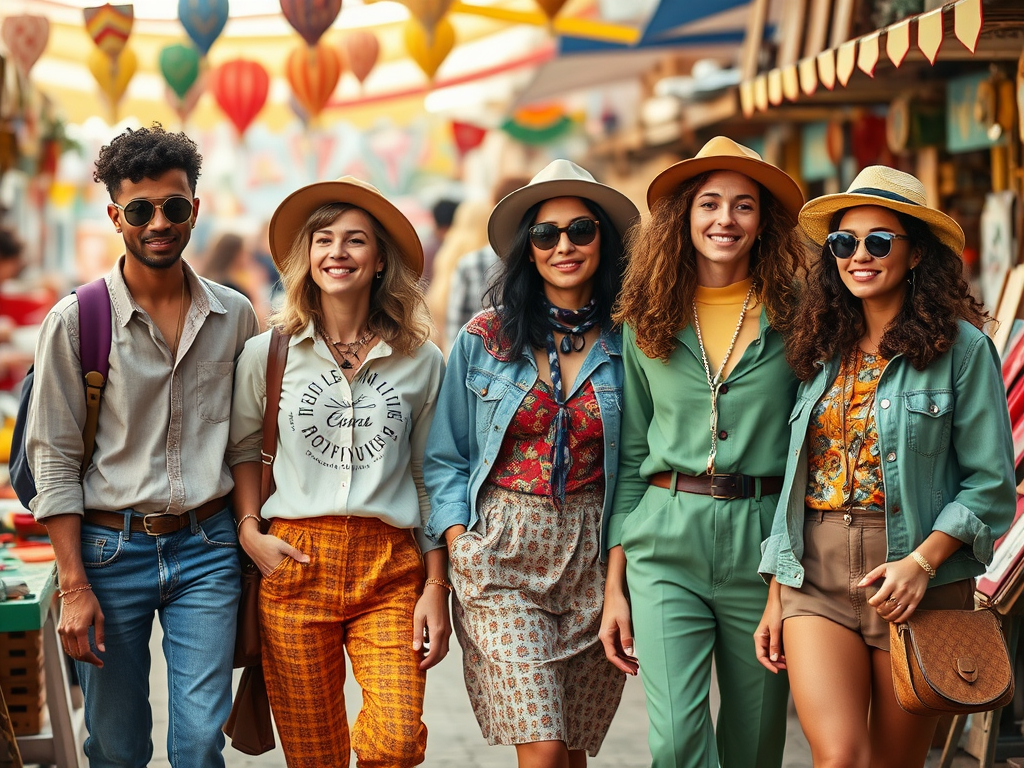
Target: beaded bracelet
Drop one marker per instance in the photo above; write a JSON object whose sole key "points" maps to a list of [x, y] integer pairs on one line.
{"points": [[238, 527], [62, 593], [440, 583], [919, 559]]}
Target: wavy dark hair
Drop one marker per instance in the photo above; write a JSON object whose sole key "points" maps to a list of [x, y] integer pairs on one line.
{"points": [[661, 279], [517, 291], [146, 153], [830, 319]]}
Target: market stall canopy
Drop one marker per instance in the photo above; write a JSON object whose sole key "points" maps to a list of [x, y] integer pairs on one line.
{"points": [[697, 30], [488, 39]]}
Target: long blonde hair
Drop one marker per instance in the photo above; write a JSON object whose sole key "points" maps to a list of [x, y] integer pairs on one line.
{"points": [[398, 311]]}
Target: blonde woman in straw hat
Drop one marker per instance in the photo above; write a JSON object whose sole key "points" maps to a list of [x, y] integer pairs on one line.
{"points": [[342, 563], [706, 395], [521, 468], [900, 472]]}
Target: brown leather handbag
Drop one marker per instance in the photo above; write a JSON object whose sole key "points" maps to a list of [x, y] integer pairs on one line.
{"points": [[250, 727], [950, 662]]}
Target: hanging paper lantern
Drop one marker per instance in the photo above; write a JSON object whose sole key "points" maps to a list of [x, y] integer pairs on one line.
{"points": [[361, 51], [467, 136], [550, 7], [113, 76], [428, 12], [429, 50], [109, 27], [25, 38], [180, 67], [240, 88], [313, 74], [311, 18], [204, 20]]}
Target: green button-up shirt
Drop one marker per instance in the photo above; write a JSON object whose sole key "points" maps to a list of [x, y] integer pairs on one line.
{"points": [[666, 417]]}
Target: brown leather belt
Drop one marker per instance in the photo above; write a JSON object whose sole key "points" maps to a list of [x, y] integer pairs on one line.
{"points": [[156, 523], [720, 486]]}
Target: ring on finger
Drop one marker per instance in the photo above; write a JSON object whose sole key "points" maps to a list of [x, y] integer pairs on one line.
{"points": [[891, 600]]}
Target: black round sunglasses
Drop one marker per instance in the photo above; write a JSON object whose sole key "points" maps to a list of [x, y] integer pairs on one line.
{"points": [[580, 232], [878, 244], [140, 212]]}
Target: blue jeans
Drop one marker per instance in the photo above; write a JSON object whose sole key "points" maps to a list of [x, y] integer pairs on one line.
{"points": [[191, 580]]}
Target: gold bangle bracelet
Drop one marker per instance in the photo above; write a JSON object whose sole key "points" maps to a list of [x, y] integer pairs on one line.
{"points": [[440, 583], [919, 559], [238, 527]]}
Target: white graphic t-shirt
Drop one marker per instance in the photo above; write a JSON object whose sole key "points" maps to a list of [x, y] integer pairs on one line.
{"points": [[344, 448]]}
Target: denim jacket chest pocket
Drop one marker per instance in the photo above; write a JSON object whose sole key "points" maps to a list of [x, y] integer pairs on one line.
{"points": [[929, 420]]}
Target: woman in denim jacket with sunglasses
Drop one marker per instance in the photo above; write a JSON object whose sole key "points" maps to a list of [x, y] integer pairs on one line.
{"points": [[900, 470], [521, 465]]}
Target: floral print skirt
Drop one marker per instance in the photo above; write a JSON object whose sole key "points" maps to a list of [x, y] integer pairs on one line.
{"points": [[529, 588]]}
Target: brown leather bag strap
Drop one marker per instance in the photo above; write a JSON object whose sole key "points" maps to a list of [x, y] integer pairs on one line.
{"points": [[276, 360]]}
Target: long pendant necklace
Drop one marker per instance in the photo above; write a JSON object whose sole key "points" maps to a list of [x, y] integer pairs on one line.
{"points": [[715, 382]]}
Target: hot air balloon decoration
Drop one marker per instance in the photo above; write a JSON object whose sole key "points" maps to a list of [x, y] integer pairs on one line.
{"points": [[25, 38], [204, 20], [181, 67], [429, 50], [311, 18], [361, 52], [240, 88], [113, 76], [109, 27], [313, 74], [428, 12]]}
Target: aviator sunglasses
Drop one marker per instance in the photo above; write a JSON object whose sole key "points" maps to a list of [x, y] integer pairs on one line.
{"points": [[140, 212], [580, 232], [878, 244]]}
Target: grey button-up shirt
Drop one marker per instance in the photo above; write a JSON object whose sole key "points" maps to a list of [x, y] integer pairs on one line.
{"points": [[162, 439]]}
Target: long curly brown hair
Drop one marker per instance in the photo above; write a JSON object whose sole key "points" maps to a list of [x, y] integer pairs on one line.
{"points": [[830, 320], [661, 276]]}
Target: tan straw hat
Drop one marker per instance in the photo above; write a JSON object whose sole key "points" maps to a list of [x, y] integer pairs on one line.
{"points": [[560, 178], [888, 188], [724, 154], [293, 212]]}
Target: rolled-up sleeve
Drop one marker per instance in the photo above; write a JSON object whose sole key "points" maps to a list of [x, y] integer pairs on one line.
{"points": [[983, 441]]}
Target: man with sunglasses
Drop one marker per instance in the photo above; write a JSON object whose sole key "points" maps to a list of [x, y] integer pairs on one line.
{"points": [[146, 528]]}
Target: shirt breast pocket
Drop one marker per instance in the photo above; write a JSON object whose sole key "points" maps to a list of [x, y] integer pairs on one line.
{"points": [[214, 384], [929, 420]]}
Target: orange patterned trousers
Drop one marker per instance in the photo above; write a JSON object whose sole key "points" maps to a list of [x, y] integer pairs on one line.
{"points": [[357, 594]]}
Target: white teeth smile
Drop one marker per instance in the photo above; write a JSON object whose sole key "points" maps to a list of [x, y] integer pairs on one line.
{"points": [[724, 238], [339, 271], [863, 273]]}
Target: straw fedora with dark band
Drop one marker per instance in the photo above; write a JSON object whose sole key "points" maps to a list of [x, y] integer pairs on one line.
{"points": [[291, 215], [888, 188], [724, 154], [560, 178]]}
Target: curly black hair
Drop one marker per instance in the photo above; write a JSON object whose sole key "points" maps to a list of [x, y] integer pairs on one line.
{"points": [[146, 153], [830, 319]]}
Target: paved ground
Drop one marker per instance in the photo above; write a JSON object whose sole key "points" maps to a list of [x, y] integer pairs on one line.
{"points": [[454, 739]]}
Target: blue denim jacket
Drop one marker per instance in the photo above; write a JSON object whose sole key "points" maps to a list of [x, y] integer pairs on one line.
{"points": [[946, 452], [478, 399]]}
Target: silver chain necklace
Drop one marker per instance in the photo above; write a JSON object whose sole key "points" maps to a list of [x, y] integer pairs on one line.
{"points": [[715, 382]]}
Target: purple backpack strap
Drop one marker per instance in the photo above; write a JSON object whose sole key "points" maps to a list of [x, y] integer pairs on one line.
{"points": [[94, 328]]}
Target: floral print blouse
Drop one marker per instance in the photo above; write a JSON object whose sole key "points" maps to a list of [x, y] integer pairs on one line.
{"points": [[842, 437]]}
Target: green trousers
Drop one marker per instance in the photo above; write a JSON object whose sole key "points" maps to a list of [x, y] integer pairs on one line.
{"points": [[691, 568]]}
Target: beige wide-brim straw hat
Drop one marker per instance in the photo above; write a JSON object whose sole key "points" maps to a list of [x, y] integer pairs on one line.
{"points": [[291, 216], [888, 188], [724, 154], [560, 178]]}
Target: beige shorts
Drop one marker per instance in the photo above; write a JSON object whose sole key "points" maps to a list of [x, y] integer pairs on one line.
{"points": [[838, 551]]}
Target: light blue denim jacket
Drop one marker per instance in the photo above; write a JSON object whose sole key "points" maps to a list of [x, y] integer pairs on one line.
{"points": [[478, 399], [946, 453]]}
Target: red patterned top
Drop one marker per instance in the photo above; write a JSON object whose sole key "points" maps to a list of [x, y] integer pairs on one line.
{"points": [[524, 462]]}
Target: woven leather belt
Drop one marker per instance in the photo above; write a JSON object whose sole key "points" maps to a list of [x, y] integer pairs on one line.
{"points": [[720, 486], [156, 523]]}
